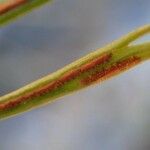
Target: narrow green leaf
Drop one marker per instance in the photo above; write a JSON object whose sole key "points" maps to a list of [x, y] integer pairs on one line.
{"points": [[97, 66]]}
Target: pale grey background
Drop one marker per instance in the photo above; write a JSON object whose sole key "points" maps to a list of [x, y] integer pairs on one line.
{"points": [[110, 116]]}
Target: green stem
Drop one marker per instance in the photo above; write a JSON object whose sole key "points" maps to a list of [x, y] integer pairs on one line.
{"points": [[19, 10], [95, 67]]}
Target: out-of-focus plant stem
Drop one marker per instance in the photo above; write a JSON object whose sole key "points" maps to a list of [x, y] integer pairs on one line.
{"points": [[11, 9], [93, 68]]}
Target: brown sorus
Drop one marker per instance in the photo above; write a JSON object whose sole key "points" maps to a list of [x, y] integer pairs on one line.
{"points": [[114, 69]]}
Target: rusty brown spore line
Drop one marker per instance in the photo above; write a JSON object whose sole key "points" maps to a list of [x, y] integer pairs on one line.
{"points": [[56, 84], [10, 4], [114, 69], [69, 76]]}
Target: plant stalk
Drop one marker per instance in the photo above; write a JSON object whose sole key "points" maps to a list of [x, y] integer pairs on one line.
{"points": [[96, 67], [11, 9]]}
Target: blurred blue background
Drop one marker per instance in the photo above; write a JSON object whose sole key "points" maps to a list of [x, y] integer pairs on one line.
{"points": [[111, 116]]}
